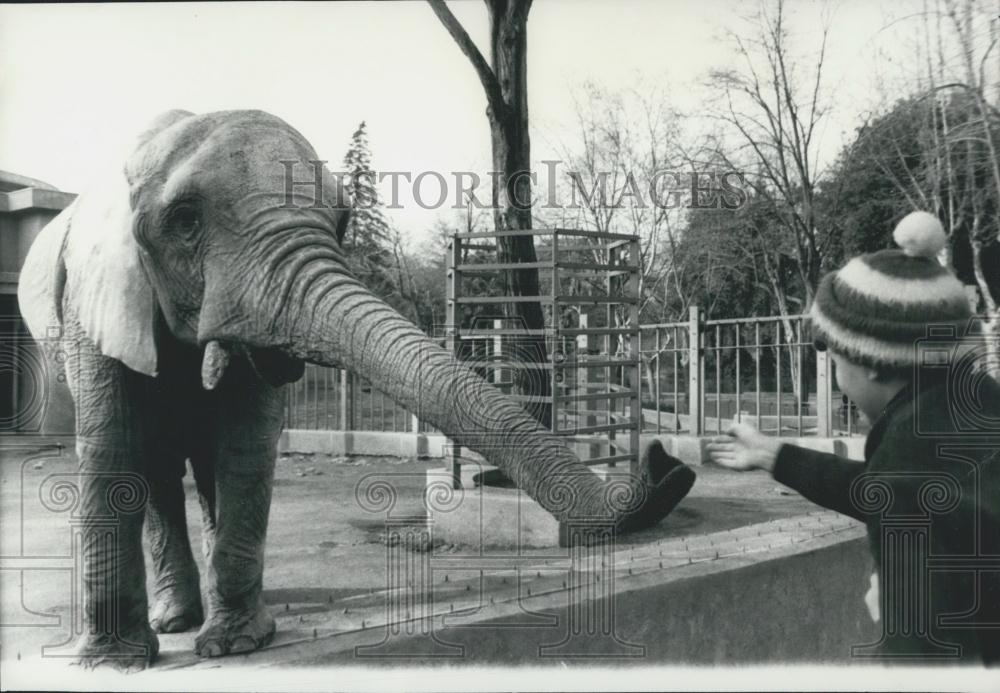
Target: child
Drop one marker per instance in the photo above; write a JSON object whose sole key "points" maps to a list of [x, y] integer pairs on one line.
{"points": [[929, 489]]}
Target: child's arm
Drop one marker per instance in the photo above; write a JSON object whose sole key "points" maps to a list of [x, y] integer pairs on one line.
{"points": [[823, 478]]}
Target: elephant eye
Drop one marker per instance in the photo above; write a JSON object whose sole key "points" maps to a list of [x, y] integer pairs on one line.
{"points": [[184, 220]]}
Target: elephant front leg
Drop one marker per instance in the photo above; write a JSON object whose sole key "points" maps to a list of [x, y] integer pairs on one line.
{"points": [[176, 594], [116, 631], [238, 620], [108, 401]]}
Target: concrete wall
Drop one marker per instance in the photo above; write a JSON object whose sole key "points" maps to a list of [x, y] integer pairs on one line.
{"points": [[689, 449], [799, 604], [17, 232], [363, 443], [32, 400], [802, 607]]}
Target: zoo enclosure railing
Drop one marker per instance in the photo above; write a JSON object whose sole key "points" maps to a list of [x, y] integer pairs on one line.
{"points": [[696, 376], [699, 375]]}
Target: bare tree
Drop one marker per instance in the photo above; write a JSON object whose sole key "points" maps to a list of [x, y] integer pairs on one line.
{"points": [[774, 111], [954, 170], [625, 137], [773, 108], [505, 81], [629, 171], [980, 147]]}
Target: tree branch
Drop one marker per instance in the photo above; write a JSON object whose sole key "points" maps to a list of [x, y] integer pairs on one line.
{"points": [[494, 96]]}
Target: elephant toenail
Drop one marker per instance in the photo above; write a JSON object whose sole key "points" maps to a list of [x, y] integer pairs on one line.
{"points": [[213, 648], [174, 625], [243, 643]]}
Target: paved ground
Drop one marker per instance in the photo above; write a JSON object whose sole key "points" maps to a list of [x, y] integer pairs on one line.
{"points": [[326, 558]]}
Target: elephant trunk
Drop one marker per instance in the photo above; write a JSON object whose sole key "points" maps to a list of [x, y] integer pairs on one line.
{"points": [[345, 324]]}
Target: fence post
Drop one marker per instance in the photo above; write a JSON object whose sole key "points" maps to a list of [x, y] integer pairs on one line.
{"points": [[695, 371], [453, 317], [824, 391], [582, 387], [346, 401], [498, 353], [634, 353]]}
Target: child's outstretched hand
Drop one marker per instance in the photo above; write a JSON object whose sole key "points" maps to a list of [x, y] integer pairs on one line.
{"points": [[744, 448]]}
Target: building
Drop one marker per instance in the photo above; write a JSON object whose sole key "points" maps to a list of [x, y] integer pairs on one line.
{"points": [[33, 398]]}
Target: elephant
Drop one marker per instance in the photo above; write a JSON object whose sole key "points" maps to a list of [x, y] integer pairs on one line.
{"points": [[189, 287]]}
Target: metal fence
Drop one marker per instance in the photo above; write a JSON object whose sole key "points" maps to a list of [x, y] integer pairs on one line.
{"points": [[337, 400], [699, 375], [696, 377]]}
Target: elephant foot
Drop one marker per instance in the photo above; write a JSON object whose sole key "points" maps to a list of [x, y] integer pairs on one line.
{"points": [[130, 651], [234, 631], [667, 481], [176, 609]]}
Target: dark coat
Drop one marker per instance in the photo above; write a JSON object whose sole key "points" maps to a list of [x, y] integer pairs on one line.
{"points": [[929, 494]]}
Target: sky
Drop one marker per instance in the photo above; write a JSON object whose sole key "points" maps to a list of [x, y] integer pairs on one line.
{"points": [[77, 80]]}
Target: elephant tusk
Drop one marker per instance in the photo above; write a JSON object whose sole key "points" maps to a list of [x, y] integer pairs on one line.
{"points": [[213, 364]]}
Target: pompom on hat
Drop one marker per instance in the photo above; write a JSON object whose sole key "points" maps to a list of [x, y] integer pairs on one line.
{"points": [[875, 308]]}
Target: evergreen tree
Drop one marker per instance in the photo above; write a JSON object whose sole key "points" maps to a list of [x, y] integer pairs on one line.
{"points": [[368, 239]]}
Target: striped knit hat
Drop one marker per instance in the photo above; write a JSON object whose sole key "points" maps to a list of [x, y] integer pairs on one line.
{"points": [[875, 308]]}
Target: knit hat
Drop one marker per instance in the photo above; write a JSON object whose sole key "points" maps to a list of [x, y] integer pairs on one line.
{"points": [[875, 308]]}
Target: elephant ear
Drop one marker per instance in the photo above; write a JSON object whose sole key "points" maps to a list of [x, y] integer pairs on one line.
{"points": [[109, 290], [43, 278]]}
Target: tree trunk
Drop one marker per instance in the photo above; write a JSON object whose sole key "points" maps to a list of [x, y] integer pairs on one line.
{"points": [[650, 371], [512, 188], [506, 86], [992, 323], [774, 275]]}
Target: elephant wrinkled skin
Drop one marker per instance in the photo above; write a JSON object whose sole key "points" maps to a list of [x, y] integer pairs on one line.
{"points": [[190, 289]]}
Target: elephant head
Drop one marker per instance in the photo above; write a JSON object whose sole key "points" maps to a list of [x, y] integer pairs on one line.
{"points": [[201, 226]]}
